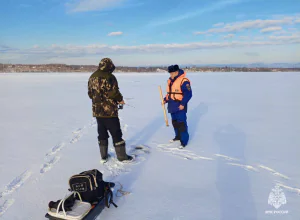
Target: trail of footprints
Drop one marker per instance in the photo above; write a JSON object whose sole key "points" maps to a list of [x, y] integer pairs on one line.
{"points": [[10, 188], [51, 159], [182, 153], [189, 155], [116, 168]]}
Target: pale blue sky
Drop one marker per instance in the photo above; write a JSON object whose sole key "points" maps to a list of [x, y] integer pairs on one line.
{"points": [[149, 32]]}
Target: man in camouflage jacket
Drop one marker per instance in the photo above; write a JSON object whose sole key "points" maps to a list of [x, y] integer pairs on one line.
{"points": [[104, 92]]}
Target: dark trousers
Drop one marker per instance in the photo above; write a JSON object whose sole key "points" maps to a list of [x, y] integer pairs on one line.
{"points": [[111, 125], [179, 121]]}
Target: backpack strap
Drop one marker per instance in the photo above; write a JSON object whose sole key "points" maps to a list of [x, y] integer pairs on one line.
{"points": [[111, 200], [108, 197]]}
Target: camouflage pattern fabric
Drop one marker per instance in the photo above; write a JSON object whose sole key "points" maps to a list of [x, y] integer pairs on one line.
{"points": [[106, 65], [104, 91]]}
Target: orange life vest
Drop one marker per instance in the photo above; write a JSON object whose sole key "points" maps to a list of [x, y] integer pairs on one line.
{"points": [[174, 92]]}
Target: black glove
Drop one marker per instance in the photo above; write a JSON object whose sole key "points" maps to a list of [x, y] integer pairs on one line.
{"points": [[68, 204]]}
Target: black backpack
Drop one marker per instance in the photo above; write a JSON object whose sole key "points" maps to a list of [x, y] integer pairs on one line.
{"points": [[91, 187]]}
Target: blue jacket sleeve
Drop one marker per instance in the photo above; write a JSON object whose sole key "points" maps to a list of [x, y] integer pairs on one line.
{"points": [[187, 93]]}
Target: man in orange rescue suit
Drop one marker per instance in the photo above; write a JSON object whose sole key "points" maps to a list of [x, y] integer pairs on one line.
{"points": [[179, 93]]}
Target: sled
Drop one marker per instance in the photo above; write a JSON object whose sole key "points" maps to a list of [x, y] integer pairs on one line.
{"points": [[81, 210]]}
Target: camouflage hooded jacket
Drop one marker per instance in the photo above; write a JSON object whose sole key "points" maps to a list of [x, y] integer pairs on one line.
{"points": [[104, 91]]}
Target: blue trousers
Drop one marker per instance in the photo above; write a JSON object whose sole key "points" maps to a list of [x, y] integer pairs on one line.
{"points": [[179, 121]]}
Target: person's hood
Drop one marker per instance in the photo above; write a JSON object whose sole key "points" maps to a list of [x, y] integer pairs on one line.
{"points": [[106, 65]]}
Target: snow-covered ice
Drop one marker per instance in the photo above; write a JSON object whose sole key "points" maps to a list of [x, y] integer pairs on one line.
{"points": [[244, 140]]}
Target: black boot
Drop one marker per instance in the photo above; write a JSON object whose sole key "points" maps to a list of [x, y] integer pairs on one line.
{"points": [[175, 139], [103, 145], [121, 151]]}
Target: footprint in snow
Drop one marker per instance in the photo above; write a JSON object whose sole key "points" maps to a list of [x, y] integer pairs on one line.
{"points": [[49, 165], [6, 205], [16, 183], [55, 149]]}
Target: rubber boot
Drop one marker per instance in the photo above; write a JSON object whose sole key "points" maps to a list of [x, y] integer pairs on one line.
{"points": [[103, 145], [121, 152]]}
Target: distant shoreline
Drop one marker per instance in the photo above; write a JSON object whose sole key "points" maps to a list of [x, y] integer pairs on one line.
{"points": [[63, 68]]}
